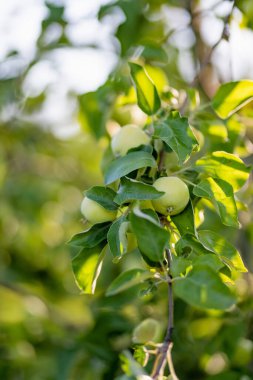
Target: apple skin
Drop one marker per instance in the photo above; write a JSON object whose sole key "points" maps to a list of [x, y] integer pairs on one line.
{"points": [[171, 162], [176, 195], [130, 136], [95, 213], [243, 353], [146, 331]]}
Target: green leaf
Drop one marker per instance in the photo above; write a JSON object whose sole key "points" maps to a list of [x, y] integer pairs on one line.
{"points": [[125, 165], [226, 251], [222, 195], [94, 110], [147, 95], [131, 189], [87, 266], [131, 367], [116, 237], [128, 279], [209, 260], [152, 238], [91, 237], [232, 96], [175, 131], [190, 244], [203, 288], [102, 195], [185, 221], [225, 165], [179, 265]]}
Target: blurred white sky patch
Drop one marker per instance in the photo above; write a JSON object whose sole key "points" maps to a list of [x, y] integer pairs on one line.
{"points": [[86, 65], [20, 26], [68, 69]]}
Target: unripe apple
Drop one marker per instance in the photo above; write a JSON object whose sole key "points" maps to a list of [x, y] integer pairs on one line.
{"points": [[243, 353], [95, 213], [130, 136], [171, 162], [146, 331], [175, 198]]}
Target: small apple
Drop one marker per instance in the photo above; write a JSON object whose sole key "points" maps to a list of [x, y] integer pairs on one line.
{"points": [[171, 162], [176, 195], [95, 213], [243, 353], [146, 331], [130, 136]]}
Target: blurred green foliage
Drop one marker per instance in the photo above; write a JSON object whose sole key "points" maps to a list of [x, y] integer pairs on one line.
{"points": [[47, 330]]}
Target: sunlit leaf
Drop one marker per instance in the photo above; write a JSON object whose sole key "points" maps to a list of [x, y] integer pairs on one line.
{"points": [[116, 237], [131, 189], [221, 194], [147, 95], [225, 165], [175, 131], [226, 251], [232, 96], [128, 279], [203, 288], [87, 266], [102, 195], [125, 165]]}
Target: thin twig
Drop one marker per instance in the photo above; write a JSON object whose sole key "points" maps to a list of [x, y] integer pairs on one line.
{"points": [[160, 362], [170, 363]]}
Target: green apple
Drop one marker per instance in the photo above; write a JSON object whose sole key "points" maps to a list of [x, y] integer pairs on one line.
{"points": [[171, 162], [146, 331], [176, 195], [243, 353], [95, 213], [130, 136]]}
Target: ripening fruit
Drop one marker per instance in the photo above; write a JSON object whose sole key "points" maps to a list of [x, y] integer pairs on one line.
{"points": [[130, 136], [95, 213], [175, 198], [146, 331]]}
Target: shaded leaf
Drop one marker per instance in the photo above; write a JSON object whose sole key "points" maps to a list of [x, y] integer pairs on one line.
{"points": [[125, 165], [190, 244], [221, 194], [203, 288], [232, 96], [209, 260], [152, 238], [147, 95], [94, 110], [131, 189], [185, 220], [179, 265], [91, 237], [128, 279], [225, 165], [226, 251], [102, 195], [175, 131]]}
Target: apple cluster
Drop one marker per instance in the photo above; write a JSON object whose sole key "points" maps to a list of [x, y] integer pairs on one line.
{"points": [[176, 193]]}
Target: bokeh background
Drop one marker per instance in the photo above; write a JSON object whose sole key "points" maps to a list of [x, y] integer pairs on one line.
{"points": [[63, 66]]}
